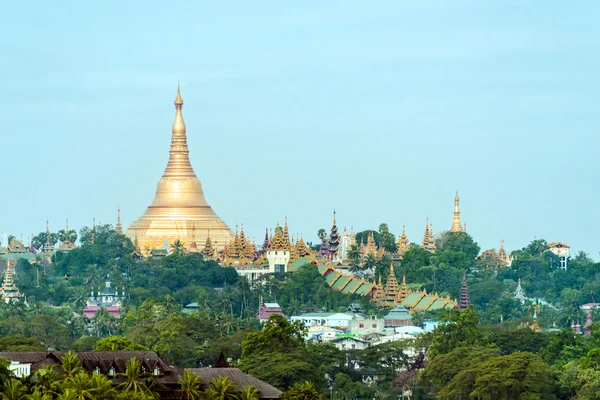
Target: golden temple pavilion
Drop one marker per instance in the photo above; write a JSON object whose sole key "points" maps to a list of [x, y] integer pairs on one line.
{"points": [[179, 210]]}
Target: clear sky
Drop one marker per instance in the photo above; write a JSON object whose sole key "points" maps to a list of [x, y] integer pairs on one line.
{"points": [[379, 110]]}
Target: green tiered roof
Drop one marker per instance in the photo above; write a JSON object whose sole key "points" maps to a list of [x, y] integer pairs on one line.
{"points": [[351, 286], [341, 282]]}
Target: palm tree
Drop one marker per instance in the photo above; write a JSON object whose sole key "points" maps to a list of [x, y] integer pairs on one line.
{"points": [[104, 322], [68, 394], [210, 394], [103, 388], [225, 388], [177, 248], [354, 255], [189, 385], [249, 393], [82, 385], [369, 262], [37, 395], [46, 381], [13, 390], [134, 379], [69, 365]]}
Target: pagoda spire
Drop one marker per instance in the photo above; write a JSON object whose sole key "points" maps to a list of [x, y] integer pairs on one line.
{"points": [[119, 227], [456, 225], [464, 301], [334, 239]]}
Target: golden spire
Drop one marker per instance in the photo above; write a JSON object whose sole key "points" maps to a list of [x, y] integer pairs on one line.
{"points": [[119, 227], [178, 99], [456, 225], [334, 218]]}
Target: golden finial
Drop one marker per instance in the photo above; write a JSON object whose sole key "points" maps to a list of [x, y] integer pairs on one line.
{"points": [[47, 226], [178, 99], [334, 218]]}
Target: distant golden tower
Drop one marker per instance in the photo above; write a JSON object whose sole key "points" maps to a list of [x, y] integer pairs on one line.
{"points": [[456, 225], [179, 204], [119, 227]]}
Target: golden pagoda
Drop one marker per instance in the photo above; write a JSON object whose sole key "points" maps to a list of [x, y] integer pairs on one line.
{"points": [[179, 204], [391, 289], [403, 243], [428, 240], [456, 225]]}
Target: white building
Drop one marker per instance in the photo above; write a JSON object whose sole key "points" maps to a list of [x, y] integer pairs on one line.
{"points": [[20, 370], [562, 251], [366, 326], [278, 260], [338, 320], [344, 246], [350, 343]]}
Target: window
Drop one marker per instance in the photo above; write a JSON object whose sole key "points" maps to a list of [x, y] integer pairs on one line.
{"points": [[361, 325], [111, 371], [374, 325], [156, 371], [353, 347], [97, 370]]}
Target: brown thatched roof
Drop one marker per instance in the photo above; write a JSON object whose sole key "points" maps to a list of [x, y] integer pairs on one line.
{"points": [[240, 379]]}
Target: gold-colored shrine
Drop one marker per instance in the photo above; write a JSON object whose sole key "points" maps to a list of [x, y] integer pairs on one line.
{"points": [[179, 209]]}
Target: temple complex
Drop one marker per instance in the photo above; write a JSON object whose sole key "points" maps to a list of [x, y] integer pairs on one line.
{"points": [[179, 207]]}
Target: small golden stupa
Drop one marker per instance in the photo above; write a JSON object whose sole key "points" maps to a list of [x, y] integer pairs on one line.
{"points": [[179, 209]]}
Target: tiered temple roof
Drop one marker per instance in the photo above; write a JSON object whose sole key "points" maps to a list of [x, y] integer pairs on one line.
{"points": [[428, 241], [391, 289], [464, 300], [208, 250], [334, 239], [10, 292]]}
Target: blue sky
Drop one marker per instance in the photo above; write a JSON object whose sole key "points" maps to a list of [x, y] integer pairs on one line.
{"points": [[379, 110]]}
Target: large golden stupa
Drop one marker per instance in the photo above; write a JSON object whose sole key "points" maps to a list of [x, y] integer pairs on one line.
{"points": [[179, 209]]}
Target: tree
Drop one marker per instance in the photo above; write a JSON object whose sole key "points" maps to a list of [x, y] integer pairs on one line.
{"points": [[456, 329], [249, 393], [134, 379], [458, 242], [354, 255], [387, 240], [13, 389], [444, 367], [302, 391], [117, 343], [177, 248], [69, 365], [225, 388], [516, 376], [82, 385], [102, 388], [189, 385]]}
